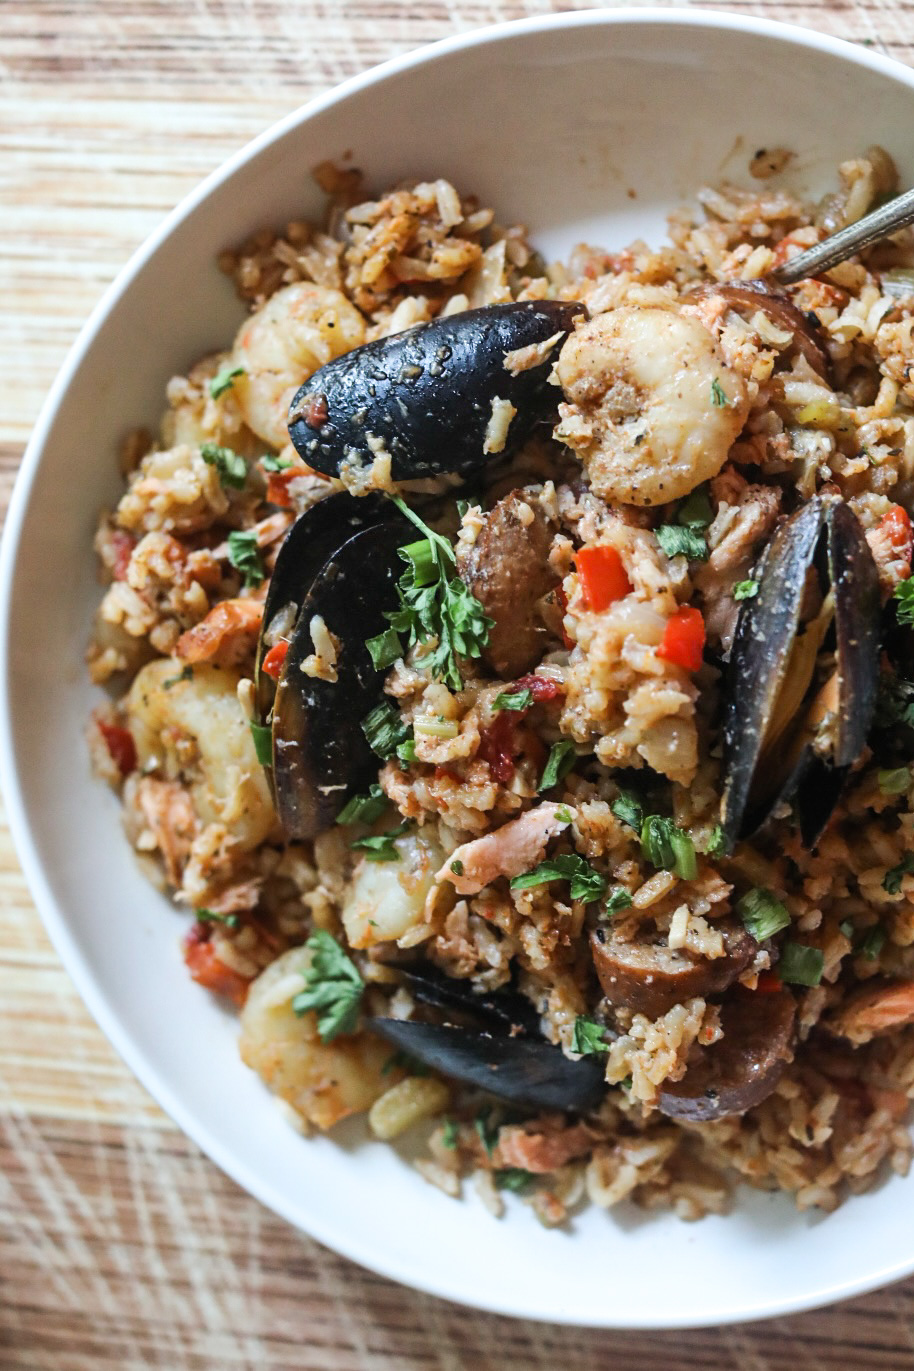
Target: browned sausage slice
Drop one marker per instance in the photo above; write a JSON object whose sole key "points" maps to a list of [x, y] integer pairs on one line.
{"points": [[508, 572], [743, 1067], [649, 978]]}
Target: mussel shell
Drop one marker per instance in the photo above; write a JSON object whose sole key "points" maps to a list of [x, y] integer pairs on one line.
{"points": [[320, 754], [777, 306], [855, 580], [425, 396], [308, 545], [525, 1071], [505, 1011]]}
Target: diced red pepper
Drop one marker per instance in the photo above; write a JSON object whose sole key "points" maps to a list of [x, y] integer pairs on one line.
{"points": [[896, 525], [123, 544], [272, 662], [498, 744], [768, 982], [207, 970], [120, 744], [602, 575], [684, 638], [542, 688]]}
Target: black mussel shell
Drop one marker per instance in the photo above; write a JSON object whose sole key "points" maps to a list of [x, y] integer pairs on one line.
{"points": [[523, 1070], [505, 1011], [308, 545], [320, 754], [765, 635], [425, 396]]}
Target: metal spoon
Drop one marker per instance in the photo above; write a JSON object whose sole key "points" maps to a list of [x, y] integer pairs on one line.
{"points": [[881, 223]]}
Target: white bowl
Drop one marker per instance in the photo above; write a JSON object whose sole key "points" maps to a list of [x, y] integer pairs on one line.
{"points": [[555, 121]]}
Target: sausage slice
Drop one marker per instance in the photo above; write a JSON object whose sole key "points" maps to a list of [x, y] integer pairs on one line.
{"points": [[743, 1067], [649, 978]]}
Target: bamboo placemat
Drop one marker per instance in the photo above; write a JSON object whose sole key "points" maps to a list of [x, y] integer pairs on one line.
{"points": [[121, 1247]]}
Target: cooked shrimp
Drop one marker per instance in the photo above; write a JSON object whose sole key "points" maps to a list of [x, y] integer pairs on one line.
{"points": [[874, 1010], [227, 635], [321, 1081], [509, 851], [298, 330], [651, 407], [541, 1151], [163, 816]]}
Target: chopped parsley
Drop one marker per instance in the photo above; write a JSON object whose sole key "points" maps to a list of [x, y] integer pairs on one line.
{"points": [[668, 847], [224, 380], [800, 965], [449, 1134], [627, 807], [263, 742], [564, 815], [620, 898], [762, 913], [872, 944], [679, 541], [363, 809], [513, 1178], [745, 590], [586, 883], [333, 987], [904, 595], [562, 757], [486, 1131], [718, 844], [270, 462], [436, 604], [244, 555], [406, 751], [695, 510], [231, 466], [891, 881], [385, 729], [457, 867], [520, 699], [212, 916], [719, 397], [587, 1038], [384, 649], [894, 782], [185, 674], [380, 847]]}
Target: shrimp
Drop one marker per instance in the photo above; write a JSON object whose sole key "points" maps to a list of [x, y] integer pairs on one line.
{"points": [[651, 408], [509, 851], [881, 1008], [227, 635], [323, 1082], [298, 330]]}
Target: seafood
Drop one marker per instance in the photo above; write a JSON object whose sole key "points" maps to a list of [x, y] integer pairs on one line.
{"points": [[432, 399], [651, 407]]}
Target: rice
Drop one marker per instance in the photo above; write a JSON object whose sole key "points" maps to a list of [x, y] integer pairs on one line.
{"points": [[187, 557]]}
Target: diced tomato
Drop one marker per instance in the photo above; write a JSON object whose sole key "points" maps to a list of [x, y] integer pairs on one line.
{"points": [[896, 525], [123, 544], [603, 576], [498, 744], [272, 662], [542, 688], [768, 982], [207, 970], [684, 638], [120, 744], [278, 483]]}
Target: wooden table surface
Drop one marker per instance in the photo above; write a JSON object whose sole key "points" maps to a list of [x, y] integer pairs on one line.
{"points": [[121, 1246]]}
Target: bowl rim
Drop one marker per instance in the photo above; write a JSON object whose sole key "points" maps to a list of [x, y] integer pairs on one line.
{"points": [[53, 916]]}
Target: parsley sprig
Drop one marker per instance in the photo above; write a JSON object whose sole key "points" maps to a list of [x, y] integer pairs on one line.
{"points": [[333, 987], [588, 1037], [904, 596], [586, 883], [435, 604], [231, 467], [244, 555], [380, 847]]}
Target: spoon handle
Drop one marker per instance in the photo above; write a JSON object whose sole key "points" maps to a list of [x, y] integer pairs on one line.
{"points": [[881, 223]]}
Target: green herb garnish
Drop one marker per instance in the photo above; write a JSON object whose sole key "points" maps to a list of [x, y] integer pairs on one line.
{"points": [[364, 809], [212, 916], [270, 462], [846, 926], [520, 699], [745, 590], [627, 807], [586, 883], [891, 881], [564, 815], [436, 604], [513, 1178], [668, 847], [222, 381], [449, 1134], [620, 898], [231, 466], [904, 595], [677, 541], [695, 510], [486, 1132], [894, 782], [244, 555], [406, 751], [263, 742], [587, 1038], [385, 729], [384, 649], [800, 965], [379, 847], [457, 867], [719, 398], [762, 913], [872, 944], [562, 757], [718, 844], [333, 987]]}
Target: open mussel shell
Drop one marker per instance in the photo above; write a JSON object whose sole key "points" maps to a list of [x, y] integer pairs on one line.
{"points": [[748, 297], [320, 754], [505, 1011], [308, 545], [523, 1070], [810, 764], [425, 397]]}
